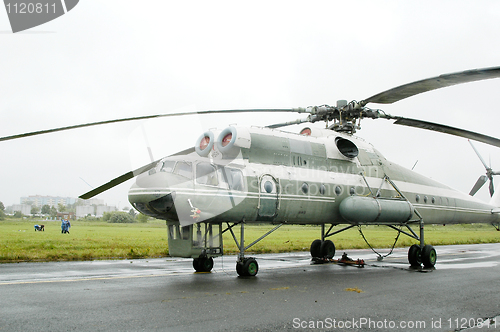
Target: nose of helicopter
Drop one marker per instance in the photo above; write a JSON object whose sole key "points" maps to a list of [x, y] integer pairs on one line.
{"points": [[151, 195]]}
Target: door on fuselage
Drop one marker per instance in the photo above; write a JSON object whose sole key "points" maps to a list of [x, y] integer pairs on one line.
{"points": [[268, 196]]}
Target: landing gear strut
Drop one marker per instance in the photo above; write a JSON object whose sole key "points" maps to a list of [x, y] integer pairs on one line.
{"points": [[246, 266], [323, 248], [421, 253]]}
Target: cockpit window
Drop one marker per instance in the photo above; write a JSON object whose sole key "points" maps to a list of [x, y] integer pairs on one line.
{"points": [[168, 166], [206, 174], [183, 168], [233, 177]]}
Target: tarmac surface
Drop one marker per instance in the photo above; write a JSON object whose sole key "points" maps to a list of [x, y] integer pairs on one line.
{"points": [[289, 293]]}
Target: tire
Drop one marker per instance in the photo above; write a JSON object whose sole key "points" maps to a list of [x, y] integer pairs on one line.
{"points": [[250, 267], [429, 256], [414, 255], [315, 248], [206, 264], [327, 249], [196, 264], [239, 269], [203, 264]]}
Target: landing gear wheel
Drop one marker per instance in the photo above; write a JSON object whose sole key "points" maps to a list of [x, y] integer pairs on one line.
{"points": [[327, 249], [316, 248], [429, 256], [414, 255], [203, 264], [250, 267], [247, 268]]}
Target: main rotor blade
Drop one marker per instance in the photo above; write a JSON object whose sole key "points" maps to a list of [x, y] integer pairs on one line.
{"points": [[480, 158], [448, 130], [292, 110], [289, 123], [411, 89], [127, 176], [479, 184]]}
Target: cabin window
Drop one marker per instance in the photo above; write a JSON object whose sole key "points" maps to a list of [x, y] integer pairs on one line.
{"points": [[322, 189], [206, 174], [305, 188], [268, 187], [168, 166], [186, 232], [183, 168], [338, 190], [236, 182], [173, 232], [417, 198], [233, 177]]}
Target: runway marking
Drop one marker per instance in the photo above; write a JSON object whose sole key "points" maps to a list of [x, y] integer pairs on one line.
{"points": [[92, 278]]}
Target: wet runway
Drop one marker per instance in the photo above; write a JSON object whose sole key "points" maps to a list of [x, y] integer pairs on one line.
{"points": [[289, 293]]}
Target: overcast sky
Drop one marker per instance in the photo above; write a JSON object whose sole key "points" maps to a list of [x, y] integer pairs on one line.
{"points": [[112, 59]]}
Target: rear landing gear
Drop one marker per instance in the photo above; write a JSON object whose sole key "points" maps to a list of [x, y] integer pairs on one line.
{"points": [[429, 256], [322, 249], [414, 255], [426, 255]]}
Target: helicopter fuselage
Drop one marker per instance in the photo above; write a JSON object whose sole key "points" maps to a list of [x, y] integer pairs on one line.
{"points": [[318, 177]]}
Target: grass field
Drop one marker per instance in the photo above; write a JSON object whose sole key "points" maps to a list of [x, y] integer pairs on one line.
{"points": [[89, 240]]}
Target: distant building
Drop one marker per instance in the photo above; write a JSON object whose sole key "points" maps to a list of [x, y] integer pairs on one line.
{"points": [[23, 208], [84, 210], [94, 210], [90, 201], [65, 215], [100, 209], [40, 201]]}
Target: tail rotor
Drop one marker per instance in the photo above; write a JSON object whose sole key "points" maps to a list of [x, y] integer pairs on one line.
{"points": [[483, 178]]}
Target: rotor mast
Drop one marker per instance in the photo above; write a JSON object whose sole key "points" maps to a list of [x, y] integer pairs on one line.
{"points": [[344, 115]]}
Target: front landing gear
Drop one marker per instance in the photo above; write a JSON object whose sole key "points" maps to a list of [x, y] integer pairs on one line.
{"points": [[247, 267]]}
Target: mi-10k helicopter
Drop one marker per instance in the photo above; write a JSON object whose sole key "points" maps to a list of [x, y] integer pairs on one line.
{"points": [[327, 177]]}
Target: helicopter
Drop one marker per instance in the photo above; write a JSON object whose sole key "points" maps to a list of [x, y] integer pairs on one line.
{"points": [[320, 176]]}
